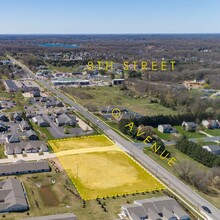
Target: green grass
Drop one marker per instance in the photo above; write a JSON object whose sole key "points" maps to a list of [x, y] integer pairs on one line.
{"points": [[42, 130], [188, 134], [161, 135], [103, 96], [62, 68], [2, 154], [213, 132]]}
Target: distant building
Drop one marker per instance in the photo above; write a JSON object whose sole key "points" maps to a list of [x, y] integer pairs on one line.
{"points": [[116, 82], [10, 86], [189, 126], [67, 216], [35, 93], [70, 81], [154, 209], [195, 84], [214, 149], [12, 196], [22, 167]]}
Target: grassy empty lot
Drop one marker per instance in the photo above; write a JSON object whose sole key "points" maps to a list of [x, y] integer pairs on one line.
{"points": [[107, 174], [98, 168], [103, 96], [80, 142]]}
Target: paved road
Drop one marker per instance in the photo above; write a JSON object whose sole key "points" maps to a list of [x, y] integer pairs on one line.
{"points": [[186, 192]]}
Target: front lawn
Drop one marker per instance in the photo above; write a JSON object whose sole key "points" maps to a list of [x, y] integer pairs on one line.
{"points": [[188, 134]]}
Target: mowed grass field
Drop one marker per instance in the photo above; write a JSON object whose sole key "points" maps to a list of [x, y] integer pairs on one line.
{"points": [[80, 142], [100, 172]]}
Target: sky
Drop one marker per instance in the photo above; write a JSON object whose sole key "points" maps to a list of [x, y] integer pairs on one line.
{"points": [[109, 16]]}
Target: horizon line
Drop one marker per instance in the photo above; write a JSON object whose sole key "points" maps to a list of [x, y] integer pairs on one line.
{"points": [[182, 33]]}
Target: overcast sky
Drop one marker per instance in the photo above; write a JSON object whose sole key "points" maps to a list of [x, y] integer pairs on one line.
{"points": [[109, 16]]}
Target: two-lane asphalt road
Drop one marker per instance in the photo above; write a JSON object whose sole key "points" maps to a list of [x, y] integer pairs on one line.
{"points": [[169, 179]]}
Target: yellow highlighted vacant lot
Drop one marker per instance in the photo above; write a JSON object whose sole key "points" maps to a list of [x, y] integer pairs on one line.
{"points": [[102, 170]]}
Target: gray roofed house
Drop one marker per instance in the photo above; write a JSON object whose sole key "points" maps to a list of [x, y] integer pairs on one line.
{"points": [[17, 116], [3, 127], [12, 196], [40, 121], [32, 135], [3, 118], [166, 128], [26, 147], [155, 208], [24, 126], [21, 167], [66, 216], [135, 211], [12, 138], [189, 126], [65, 119], [214, 149]]}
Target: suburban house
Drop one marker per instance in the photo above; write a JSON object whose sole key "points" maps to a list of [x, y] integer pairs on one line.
{"points": [[40, 121], [65, 119], [12, 196], [3, 128], [53, 103], [24, 126], [31, 135], [154, 209], [211, 124], [166, 128], [35, 93], [214, 149], [66, 216], [3, 118], [43, 99], [25, 147], [30, 114], [189, 126], [21, 167], [13, 138], [17, 116]]}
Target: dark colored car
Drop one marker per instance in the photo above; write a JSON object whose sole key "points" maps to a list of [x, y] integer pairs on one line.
{"points": [[206, 209]]}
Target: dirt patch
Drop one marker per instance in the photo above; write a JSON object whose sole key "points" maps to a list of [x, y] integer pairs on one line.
{"points": [[48, 197]]}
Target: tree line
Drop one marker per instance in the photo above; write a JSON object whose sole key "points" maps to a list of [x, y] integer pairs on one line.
{"points": [[156, 120], [196, 152]]}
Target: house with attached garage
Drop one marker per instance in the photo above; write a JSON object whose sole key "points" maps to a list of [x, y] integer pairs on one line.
{"points": [[166, 128], [3, 118], [211, 124], [65, 119], [31, 135], [12, 138], [24, 126], [189, 126], [3, 127], [40, 121]]}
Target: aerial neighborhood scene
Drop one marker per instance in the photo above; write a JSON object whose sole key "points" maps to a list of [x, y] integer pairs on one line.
{"points": [[110, 110]]}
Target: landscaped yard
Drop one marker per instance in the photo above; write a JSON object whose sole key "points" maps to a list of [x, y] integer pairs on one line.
{"points": [[188, 134], [213, 132]]}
